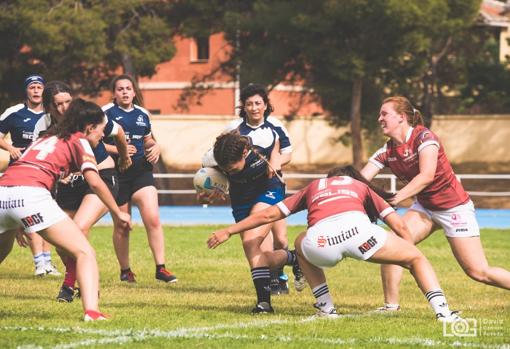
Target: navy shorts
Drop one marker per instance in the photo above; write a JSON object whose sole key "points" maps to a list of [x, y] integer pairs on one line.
{"points": [[271, 196], [138, 176], [69, 196]]}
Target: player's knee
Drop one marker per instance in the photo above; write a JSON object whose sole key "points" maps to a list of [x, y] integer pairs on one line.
{"points": [[479, 274]]}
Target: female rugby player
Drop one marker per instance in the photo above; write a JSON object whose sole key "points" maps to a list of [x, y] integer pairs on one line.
{"points": [[340, 211], [415, 155]]}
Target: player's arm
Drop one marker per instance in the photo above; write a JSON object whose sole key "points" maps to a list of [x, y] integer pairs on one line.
{"points": [[99, 188], [428, 164], [121, 146], [370, 171], [152, 149], [275, 160], [256, 219], [14, 152], [397, 224]]}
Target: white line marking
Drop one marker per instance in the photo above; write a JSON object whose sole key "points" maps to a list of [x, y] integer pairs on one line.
{"points": [[127, 336]]}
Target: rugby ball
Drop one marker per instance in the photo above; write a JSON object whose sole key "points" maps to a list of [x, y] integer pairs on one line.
{"points": [[208, 178]]}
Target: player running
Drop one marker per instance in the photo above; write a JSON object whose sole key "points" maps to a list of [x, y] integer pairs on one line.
{"points": [[136, 185], [340, 210], [25, 189], [263, 129], [415, 155], [252, 189]]}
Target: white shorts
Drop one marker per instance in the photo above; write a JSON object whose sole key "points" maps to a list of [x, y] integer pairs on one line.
{"points": [[349, 234], [31, 208], [457, 222]]}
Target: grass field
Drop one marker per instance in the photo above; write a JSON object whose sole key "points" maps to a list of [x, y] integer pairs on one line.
{"points": [[210, 305]]}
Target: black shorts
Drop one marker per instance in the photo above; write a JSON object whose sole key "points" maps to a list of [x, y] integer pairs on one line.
{"points": [[69, 196], [138, 176]]}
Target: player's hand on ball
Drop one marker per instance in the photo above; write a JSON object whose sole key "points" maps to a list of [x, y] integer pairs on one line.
{"points": [[204, 197], [217, 238]]}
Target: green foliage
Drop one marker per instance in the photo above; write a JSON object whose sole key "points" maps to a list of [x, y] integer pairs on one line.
{"points": [[81, 42], [209, 306]]}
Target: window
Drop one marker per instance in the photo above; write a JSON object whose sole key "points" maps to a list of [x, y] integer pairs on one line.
{"points": [[200, 49]]}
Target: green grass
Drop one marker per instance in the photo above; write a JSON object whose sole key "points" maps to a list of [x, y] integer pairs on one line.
{"points": [[209, 307]]}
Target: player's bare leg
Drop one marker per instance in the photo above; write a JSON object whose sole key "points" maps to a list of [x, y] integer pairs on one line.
{"points": [[420, 226], [469, 253]]}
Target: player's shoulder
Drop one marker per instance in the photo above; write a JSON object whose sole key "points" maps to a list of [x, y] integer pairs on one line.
{"points": [[232, 125], [274, 121], [107, 107], [142, 109], [11, 110]]}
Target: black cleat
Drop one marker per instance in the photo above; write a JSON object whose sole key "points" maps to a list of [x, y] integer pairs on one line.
{"points": [[262, 308], [66, 294]]}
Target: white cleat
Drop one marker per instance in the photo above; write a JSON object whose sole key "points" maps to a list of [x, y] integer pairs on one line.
{"points": [[40, 270], [453, 317], [387, 308], [325, 314], [91, 315], [52, 270]]}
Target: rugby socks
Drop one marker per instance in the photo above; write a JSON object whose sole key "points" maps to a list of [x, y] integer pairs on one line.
{"points": [[324, 301], [261, 277], [70, 276], [437, 301], [47, 257], [39, 259], [291, 257]]}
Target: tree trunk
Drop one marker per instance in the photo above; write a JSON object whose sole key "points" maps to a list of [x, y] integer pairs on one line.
{"points": [[357, 145], [129, 67]]}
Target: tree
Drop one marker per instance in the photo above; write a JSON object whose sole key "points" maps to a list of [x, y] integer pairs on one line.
{"points": [[81, 42]]}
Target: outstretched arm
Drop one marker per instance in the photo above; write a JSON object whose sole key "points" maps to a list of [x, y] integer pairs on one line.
{"points": [[268, 215], [397, 224]]}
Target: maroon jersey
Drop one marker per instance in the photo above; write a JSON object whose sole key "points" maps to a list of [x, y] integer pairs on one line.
{"points": [[445, 191], [49, 159], [327, 197]]}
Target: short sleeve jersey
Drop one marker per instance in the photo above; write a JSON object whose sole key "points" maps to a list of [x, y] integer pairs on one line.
{"points": [[445, 191], [111, 129], [20, 121], [135, 122], [328, 197], [260, 134], [48, 159]]}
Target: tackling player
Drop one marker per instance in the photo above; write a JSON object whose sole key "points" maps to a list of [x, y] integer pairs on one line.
{"points": [[340, 211], [415, 155]]}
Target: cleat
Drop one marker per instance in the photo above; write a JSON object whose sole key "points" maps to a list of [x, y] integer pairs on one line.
{"points": [[165, 275], [52, 270], [77, 292], [65, 295], [92, 315], [262, 308], [284, 284], [40, 270], [329, 314], [299, 278], [274, 284], [128, 276], [387, 308], [453, 317]]}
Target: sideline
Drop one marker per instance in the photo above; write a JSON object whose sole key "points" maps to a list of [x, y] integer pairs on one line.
{"points": [[214, 215]]}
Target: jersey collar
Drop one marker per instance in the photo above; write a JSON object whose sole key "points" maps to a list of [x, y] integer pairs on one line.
{"points": [[409, 133]]}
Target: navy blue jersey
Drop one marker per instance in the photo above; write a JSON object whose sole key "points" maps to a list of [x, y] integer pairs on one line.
{"points": [[20, 121], [100, 152], [252, 181], [135, 122], [260, 134]]}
